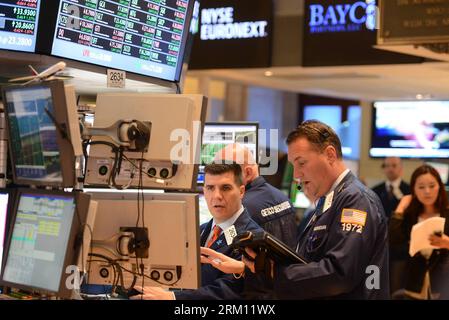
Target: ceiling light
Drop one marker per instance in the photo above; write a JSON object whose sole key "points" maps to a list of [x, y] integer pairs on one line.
{"points": [[423, 96]]}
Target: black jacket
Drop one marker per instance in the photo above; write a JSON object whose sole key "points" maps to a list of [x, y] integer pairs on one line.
{"points": [[390, 204], [271, 209], [417, 266], [274, 212]]}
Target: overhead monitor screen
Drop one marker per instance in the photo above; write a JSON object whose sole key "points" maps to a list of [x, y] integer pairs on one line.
{"points": [[140, 36], [233, 34], [33, 135], [410, 129], [40, 234], [18, 24], [343, 32]]}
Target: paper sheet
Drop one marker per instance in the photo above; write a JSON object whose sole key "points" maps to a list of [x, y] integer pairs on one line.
{"points": [[419, 238]]}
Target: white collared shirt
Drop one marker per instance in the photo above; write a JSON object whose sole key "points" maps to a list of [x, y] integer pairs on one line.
{"points": [[396, 190], [225, 224]]}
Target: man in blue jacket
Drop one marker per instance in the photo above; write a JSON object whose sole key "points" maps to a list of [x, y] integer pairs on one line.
{"points": [[268, 207], [223, 190], [345, 241]]}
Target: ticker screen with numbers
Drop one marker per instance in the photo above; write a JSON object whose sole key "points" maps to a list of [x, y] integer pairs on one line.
{"points": [[146, 37], [18, 24]]}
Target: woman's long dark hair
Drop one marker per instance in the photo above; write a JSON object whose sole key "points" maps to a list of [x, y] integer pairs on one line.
{"points": [[416, 207]]}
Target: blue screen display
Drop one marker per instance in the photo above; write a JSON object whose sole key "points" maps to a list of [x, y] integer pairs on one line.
{"points": [[140, 36], [18, 24]]}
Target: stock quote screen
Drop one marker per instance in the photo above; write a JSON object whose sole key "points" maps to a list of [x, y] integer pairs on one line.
{"points": [[140, 36], [18, 24]]}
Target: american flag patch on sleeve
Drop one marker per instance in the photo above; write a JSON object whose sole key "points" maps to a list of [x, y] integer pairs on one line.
{"points": [[353, 216]]}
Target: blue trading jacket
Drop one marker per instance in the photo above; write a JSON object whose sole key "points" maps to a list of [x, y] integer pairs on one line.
{"points": [[214, 283], [272, 210], [343, 253]]}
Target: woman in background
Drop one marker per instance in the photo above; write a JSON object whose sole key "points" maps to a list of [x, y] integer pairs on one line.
{"points": [[426, 274]]}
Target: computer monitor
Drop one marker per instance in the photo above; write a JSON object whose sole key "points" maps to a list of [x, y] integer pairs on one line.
{"points": [[169, 221], [219, 134], [410, 129], [44, 241], [171, 161], [19, 21], [37, 117], [143, 37], [204, 211]]}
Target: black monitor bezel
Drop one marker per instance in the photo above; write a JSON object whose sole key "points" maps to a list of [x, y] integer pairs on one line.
{"points": [[66, 152], [82, 201], [12, 193]]}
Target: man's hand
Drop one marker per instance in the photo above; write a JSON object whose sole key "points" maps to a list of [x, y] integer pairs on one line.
{"points": [[250, 263], [221, 261], [153, 293], [247, 262]]}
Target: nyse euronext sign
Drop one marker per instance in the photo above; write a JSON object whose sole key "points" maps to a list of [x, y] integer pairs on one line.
{"points": [[218, 24], [347, 17]]}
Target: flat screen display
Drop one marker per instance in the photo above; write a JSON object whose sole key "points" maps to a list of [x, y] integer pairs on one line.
{"points": [[139, 36], [205, 214], [343, 32], [233, 34], [34, 148], [216, 136], [410, 129], [39, 241], [18, 24]]}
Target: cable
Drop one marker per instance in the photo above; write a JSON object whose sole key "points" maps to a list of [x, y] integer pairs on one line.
{"points": [[114, 264], [142, 266], [81, 234]]}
